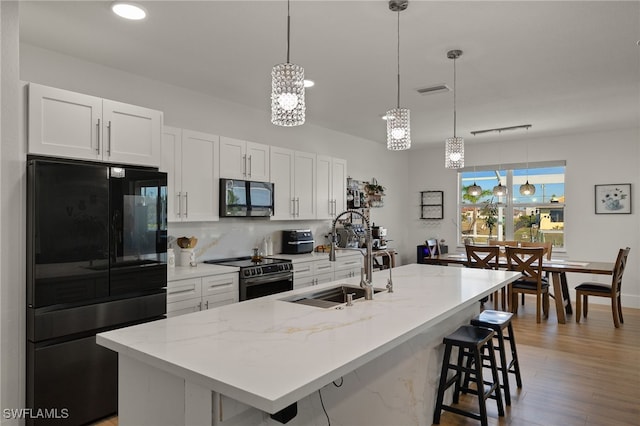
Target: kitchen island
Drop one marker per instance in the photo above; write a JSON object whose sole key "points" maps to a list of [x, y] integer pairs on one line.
{"points": [[235, 364]]}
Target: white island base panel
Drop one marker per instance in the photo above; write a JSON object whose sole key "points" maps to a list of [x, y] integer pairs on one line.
{"points": [[397, 388]]}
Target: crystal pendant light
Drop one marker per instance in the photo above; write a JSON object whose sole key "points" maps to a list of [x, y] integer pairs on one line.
{"points": [[527, 189], [398, 127], [287, 90], [454, 147]]}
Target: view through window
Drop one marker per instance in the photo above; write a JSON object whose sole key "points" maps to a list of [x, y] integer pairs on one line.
{"points": [[538, 217]]}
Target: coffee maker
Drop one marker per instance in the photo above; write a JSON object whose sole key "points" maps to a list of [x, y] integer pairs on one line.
{"points": [[379, 237]]}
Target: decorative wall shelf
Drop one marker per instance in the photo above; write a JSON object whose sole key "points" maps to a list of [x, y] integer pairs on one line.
{"points": [[431, 204]]}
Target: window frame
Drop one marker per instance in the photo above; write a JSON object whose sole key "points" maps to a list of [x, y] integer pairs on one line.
{"points": [[506, 206]]}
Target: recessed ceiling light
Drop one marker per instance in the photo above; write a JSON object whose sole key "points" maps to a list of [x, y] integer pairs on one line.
{"points": [[309, 83], [129, 11]]}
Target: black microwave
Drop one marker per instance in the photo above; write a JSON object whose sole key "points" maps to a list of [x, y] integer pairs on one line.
{"points": [[244, 198]]}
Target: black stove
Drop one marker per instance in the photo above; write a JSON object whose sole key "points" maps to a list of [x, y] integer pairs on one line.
{"points": [[259, 279], [249, 268]]}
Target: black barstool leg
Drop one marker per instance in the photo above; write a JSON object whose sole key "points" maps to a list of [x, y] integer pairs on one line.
{"points": [[514, 356], [458, 376], [504, 367], [480, 386], [496, 382], [443, 384]]}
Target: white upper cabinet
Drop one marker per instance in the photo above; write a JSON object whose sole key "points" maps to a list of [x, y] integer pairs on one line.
{"points": [[131, 134], [243, 160], [73, 125], [282, 161], [305, 185], [190, 160], [339, 187], [293, 174], [331, 186]]}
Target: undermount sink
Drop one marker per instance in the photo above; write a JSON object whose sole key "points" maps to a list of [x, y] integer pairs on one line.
{"points": [[329, 297]]}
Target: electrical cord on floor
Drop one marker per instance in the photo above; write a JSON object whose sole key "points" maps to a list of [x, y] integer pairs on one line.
{"points": [[324, 409], [322, 402]]}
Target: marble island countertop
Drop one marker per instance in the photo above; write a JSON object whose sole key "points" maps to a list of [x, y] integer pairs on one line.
{"points": [[269, 353]]}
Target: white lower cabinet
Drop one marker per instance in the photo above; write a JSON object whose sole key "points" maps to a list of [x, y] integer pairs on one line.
{"points": [[196, 294], [319, 271]]}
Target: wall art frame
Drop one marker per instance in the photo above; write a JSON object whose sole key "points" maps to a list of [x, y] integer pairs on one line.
{"points": [[613, 198]]}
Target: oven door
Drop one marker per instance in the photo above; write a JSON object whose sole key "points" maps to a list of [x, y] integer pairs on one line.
{"points": [[252, 288]]}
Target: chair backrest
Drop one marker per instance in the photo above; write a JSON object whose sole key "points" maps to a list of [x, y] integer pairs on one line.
{"points": [[548, 247], [508, 243], [485, 257], [618, 270], [432, 245], [526, 260]]}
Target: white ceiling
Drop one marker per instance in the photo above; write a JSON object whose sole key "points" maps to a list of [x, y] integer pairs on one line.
{"points": [[562, 66]]}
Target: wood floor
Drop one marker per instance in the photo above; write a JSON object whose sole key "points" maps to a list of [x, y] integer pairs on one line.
{"points": [[583, 374]]}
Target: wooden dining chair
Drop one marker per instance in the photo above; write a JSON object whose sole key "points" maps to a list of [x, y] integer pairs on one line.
{"points": [[586, 289], [503, 244], [548, 248], [485, 257], [547, 245], [528, 261]]}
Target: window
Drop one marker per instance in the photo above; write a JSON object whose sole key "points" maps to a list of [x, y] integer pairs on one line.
{"points": [[537, 217]]}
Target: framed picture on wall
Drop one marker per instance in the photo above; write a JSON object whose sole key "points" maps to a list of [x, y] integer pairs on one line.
{"points": [[613, 198]]}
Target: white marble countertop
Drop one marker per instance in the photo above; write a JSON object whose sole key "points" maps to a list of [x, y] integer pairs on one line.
{"points": [[202, 270], [269, 353]]}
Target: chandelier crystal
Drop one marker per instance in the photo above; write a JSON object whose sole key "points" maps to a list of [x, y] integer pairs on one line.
{"points": [[398, 130], [454, 147], [398, 119], [287, 90]]}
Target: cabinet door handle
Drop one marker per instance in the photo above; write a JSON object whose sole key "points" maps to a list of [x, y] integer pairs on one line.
{"points": [[206, 304], [186, 204], [109, 138], [178, 198], [298, 207], [293, 206], [98, 136], [244, 165], [250, 166], [200, 305]]}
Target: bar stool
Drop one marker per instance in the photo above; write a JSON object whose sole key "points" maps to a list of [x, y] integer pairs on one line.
{"points": [[471, 343], [498, 321]]}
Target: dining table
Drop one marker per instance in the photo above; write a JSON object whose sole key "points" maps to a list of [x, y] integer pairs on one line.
{"points": [[557, 268]]}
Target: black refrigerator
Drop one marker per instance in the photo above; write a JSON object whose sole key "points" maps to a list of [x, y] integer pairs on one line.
{"points": [[96, 261]]}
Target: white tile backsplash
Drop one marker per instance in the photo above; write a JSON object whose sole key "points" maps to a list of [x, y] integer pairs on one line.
{"points": [[231, 237]]}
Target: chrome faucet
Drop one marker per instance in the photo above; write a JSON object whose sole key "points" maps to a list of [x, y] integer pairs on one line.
{"points": [[367, 271]]}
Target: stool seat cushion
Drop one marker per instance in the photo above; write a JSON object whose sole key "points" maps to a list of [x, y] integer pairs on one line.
{"points": [[468, 335], [492, 317], [595, 287]]}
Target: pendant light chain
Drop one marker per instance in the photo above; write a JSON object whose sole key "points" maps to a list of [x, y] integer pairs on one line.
{"points": [[398, 101], [454, 97], [454, 146], [288, 29], [287, 88], [398, 127]]}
